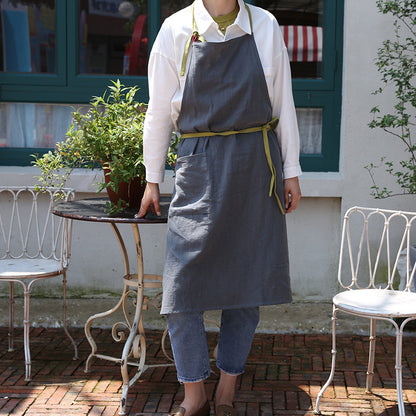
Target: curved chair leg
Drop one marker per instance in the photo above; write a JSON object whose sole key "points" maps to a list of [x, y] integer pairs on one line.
{"points": [[26, 329], [371, 354], [334, 354], [399, 340], [64, 318], [11, 317]]}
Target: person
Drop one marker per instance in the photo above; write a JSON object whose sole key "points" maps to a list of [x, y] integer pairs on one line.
{"points": [[219, 74]]}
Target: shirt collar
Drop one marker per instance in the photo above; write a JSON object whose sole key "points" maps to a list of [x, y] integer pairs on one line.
{"points": [[204, 20]]}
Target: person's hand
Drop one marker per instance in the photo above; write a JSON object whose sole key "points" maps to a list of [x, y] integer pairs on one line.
{"points": [[292, 193], [150, 200]]}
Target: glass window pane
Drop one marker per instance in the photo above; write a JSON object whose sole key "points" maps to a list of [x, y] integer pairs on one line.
{"points": [[113, 37], [310, 130], [34, 125], [302, 23], [169, 7], [28, 36]]}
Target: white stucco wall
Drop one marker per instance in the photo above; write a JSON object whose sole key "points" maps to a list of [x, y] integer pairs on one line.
{"points": [[365, 29], [314, 229]]}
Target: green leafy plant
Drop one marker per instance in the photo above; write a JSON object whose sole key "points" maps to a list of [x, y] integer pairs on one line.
{"points": [[109, 135], [396, 62]]}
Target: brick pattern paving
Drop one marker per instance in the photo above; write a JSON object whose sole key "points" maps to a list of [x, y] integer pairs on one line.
{"points": [[283, 376]]}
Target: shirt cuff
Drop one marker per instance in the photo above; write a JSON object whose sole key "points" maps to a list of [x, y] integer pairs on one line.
{"points": [[155, 177], [292, 172]]}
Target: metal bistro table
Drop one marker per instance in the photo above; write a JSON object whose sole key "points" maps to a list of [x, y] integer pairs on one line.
{"points": [[134, 350]]}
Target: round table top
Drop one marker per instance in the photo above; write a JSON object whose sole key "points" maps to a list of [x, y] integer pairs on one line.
{"points": [[94, 209]]}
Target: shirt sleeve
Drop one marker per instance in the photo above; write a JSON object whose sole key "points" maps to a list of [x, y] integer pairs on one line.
{"points": [[158, 125], [283, 106]]}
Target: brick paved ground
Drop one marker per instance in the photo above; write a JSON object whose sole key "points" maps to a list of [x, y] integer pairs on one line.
{"points": [[283, 376]]}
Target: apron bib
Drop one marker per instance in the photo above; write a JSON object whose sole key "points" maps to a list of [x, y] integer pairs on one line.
{"points": [[226, 241]]}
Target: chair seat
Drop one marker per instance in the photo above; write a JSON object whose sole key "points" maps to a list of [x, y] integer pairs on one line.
{"points": [[377, 302], [26, 268]]}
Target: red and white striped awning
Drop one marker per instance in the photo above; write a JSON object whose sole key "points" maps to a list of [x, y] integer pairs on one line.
{"points": [[304, 43]]}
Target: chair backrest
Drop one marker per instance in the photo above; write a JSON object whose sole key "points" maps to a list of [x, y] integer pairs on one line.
{"points": [[375, 245], [27, 227]]}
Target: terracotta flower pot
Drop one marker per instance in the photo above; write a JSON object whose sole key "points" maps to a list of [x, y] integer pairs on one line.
{"points": [[129, 192]]}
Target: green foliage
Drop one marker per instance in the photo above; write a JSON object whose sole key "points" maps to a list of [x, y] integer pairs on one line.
{"points": [[396, 62], [109, 135]]}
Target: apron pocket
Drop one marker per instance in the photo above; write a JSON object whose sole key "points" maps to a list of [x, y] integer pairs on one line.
{"points": [[192, 193]]}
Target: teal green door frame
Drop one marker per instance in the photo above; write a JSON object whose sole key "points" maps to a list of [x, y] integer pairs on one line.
{"points": [[68, 86]]}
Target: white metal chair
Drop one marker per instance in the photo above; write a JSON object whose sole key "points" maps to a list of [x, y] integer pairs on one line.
{"points": [[373, 242], [34, 245]]}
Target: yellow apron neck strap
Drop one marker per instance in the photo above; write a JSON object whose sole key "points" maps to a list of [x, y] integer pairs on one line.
{"points": [[271, 125], [193, 37], [196, 36], [249, 16]]}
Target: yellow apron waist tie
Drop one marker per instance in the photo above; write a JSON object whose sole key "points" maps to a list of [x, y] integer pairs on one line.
{"points": [[271, 125]]}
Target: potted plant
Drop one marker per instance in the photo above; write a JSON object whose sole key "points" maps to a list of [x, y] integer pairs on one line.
{"points": [[108, 136]]}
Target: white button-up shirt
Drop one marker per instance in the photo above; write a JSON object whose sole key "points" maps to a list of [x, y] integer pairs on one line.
{"points": [[166, 85]]}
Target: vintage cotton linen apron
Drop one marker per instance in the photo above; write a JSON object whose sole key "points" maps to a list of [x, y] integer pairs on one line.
{"points": [[226, 242]]}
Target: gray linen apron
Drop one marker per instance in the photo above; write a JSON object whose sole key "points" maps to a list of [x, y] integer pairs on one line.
{"points": [[226, 242]]}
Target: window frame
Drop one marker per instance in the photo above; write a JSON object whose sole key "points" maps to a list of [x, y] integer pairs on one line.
{"points": [[28, 79], [67, 86]]}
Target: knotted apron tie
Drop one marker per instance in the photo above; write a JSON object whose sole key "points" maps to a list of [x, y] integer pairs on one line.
{"points": [[271, 125]]}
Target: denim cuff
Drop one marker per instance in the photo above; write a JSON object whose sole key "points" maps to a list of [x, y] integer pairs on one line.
{"points": [[231, 373], [194, 380]]}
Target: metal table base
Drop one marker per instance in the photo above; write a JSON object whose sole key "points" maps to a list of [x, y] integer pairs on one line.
{"points": [[130, 329], [134, 350]]}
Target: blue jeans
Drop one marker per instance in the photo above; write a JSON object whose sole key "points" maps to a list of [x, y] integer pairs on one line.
{"points": [[189, 342]]}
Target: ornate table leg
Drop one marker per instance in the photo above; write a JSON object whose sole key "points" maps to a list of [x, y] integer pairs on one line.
{"points": [[118, 336], [134, 350], [136, 343]]}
